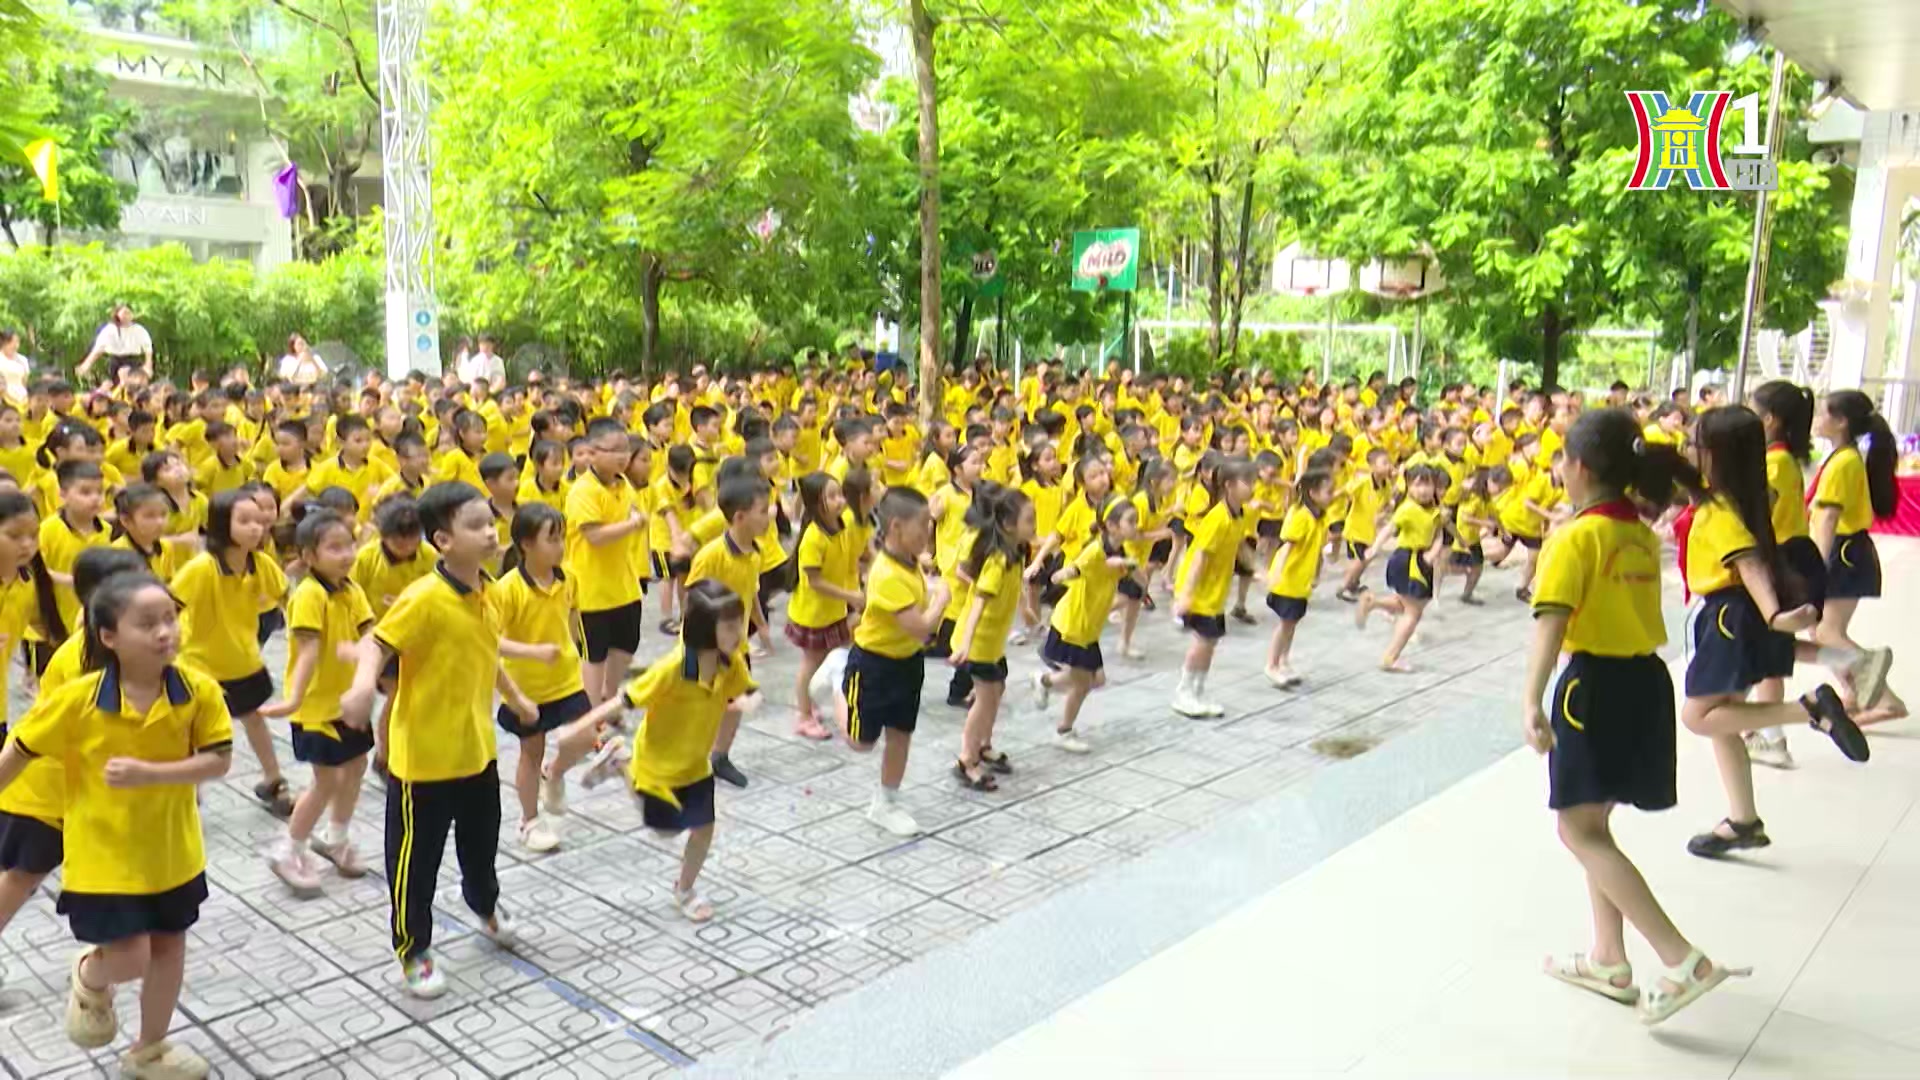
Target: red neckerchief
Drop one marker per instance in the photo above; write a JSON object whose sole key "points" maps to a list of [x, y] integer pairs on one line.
{"points": [[1822, 470], [1616, 509], [1682, 526]]}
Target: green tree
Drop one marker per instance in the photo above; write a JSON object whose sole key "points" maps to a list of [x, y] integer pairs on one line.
{"points": [[592, 151], [21, 44], [314, 72], [71, 106], [1498, 134]]}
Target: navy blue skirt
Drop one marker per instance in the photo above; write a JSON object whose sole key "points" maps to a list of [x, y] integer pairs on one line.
{"points": [[1853, 570]]}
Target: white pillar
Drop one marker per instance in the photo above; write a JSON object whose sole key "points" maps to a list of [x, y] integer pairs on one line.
{"points": [[1881, 186]]}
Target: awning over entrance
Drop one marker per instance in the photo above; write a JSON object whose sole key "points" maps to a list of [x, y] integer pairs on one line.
{"points": [[1870, 45]]}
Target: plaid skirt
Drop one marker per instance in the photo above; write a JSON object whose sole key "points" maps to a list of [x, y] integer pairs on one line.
{"points": [[819, 638]]}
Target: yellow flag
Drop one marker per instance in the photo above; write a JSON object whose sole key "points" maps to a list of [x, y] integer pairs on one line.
{"points": [[44, 156]]}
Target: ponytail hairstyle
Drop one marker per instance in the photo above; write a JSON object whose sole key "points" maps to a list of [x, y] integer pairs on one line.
{"points": [[1856, 414], [931, 445], [1735, 444], [16, 504], [857, 486], [1002, 508], [1030, 461], [956, 462], [529, 522], [109, 600], [1152, 473], [1206, 474], [1607, 444], [1116, 512], [1791, 407], [709, 604], [813, 491], [62, 438]]}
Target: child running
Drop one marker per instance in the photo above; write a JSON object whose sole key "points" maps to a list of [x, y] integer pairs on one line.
{"points": [[326, 618], [1738, 624], [1295, 570], [1418, 541], [880, 693], [685, 696], [828, 590], [1072, 647], [1153, 543], [134, 735], [534, 604], [1200, 599], [1609, 727], [441, 745], [220, 592], [996, 567], [1851, 491]]}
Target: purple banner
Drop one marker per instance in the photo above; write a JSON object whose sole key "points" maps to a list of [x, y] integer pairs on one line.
{"points": [[286, 190]]}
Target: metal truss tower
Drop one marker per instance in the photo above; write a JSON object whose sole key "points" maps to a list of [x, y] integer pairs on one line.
{"points": [[413, 313]]}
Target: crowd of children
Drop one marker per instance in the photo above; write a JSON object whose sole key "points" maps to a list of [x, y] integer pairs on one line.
{"points": [[479, 556]]}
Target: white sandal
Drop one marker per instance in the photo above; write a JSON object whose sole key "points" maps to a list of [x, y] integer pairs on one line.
{"points": [[1578, 970], [1659, 1003], [692, 905]]}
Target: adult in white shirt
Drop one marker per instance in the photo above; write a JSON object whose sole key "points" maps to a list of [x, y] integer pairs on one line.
{"points": [[14, 368], [124, 343], [484, 364], [301, 366]]}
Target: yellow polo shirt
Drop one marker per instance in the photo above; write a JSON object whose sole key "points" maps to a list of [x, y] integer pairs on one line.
{"points": [[448, 643], [535, 614], [892, 586], [220, 612], [603, 573], [670, 750], [339, 615], [1603, 568]]}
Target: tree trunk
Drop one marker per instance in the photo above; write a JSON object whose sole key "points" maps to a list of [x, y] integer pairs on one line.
{"points": [[6, 226], [1241, 276], [1216, 275], [922, 31], [1552, 329], [1693, 331], [962, 334], [651, 278]]}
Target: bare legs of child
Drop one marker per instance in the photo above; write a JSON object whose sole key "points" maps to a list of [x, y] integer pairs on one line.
{"points": [[1407, 611], [1279, 652], [159, 962], [805, 723], [1078, 682]]}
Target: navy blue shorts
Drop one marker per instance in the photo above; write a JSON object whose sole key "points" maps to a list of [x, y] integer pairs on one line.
{"points": [[246, 695], [29, 844], [1409, 574], [1356, 550], [1268, 529], [1853, 571], [695, 809], [1211, 627], [347, 746], [1730, 648], [1289, 608], [1161, 552], [1613, 733], [553, 714], [104, 918], [270, 621], [1062, 654], [882, 692], [987, 671], [1130, 588], [1469, 556], [665, 567], [1179, 527], [1806, 572], [612, 630]]}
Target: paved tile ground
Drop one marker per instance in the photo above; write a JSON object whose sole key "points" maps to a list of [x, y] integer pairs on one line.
{"points": [[811, 900]]}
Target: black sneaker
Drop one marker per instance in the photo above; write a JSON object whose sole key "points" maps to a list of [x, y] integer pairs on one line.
{"points": [[727, 770], [274, 796], [1711, 845], [1824, 704]]}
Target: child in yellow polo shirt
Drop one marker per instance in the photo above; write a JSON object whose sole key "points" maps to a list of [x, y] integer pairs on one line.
{"points": [[534, 604], [996, 568], [601, 521], [880, 692], [441, 743], [326, 617], [1295, 568], [135, 735], [1200, 597], [1091, 581], [221, 591], [732, 559], [828, 588], [688, 695]]}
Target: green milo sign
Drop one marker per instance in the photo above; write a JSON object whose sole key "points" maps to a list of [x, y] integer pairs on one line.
{"points": [[1106, 260]]}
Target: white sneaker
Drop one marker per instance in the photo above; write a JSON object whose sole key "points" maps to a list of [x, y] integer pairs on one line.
{"points": [[553, 793], [346, 861], [501, 931], [291, 866], [1772, 753], [892, 818], [1186, 704], [1018, 637], [1042, 693], [1868, 675], [422, 977], [1210, 707], [1071, 743], [538, 837], [604, 763]]}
